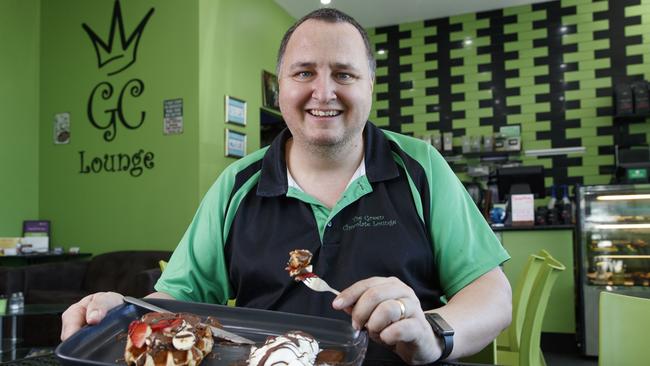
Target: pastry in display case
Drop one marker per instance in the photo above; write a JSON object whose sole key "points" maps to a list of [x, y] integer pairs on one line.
{"points": [[613, 250]]}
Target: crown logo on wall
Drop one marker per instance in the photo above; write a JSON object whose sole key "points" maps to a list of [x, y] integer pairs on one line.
{"points": [[118, 52]]}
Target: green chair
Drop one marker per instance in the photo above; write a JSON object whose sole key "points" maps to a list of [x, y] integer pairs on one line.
{"points": [[528, 352], [520, 295], [623, 330]]}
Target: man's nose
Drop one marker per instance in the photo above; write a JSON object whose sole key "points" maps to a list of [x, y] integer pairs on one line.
{"points": [[324, 89]]}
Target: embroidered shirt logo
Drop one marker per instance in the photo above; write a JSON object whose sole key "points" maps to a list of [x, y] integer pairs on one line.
{"points": [[367, 222]]}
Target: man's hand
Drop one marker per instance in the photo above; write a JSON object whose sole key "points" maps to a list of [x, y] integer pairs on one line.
{"points": [[391, 312], [90, 310]]}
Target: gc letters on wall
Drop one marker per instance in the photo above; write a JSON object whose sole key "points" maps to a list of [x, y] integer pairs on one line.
{"points": [[116, 52]]}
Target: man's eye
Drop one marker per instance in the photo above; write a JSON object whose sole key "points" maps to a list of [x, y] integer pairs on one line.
{"points": [[303, 74], [343, 76]]}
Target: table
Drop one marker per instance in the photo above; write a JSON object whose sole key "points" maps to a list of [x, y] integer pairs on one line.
{"points": [[38, 258], [9, 349]]}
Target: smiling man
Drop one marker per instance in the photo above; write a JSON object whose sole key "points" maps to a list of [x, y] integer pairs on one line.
{"points": [[386, 219]]}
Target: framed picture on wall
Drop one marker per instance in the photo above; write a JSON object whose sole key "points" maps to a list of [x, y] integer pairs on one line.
{"points": [[235, 111], [235, 144], [270, 91]]}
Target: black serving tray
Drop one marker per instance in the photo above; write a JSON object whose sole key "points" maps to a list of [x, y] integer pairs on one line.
{"points": [[103, 344]]}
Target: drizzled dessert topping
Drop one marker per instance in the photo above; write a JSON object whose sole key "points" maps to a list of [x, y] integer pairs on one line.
{"points": [[293, 348], [299, 266]]}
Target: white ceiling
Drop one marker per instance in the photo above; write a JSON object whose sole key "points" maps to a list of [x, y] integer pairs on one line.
{"points": [[375, 13]]}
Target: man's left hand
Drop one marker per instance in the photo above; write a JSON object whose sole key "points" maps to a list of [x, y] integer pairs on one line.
{"points": [[392, 314]]}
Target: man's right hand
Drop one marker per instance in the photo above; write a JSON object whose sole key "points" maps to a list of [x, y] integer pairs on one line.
{"points": [[90, 310]]}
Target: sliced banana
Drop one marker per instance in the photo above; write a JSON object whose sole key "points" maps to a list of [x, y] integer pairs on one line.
{"points": [[184, 340]]}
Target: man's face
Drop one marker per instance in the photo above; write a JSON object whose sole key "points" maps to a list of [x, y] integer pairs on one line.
{"points": [[325, 84]]}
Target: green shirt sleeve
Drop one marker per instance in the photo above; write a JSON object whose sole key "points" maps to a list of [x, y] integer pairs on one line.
{"points": [[464, 245]]}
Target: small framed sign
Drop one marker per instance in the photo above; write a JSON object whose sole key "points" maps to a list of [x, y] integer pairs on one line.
{"points": [[235, 144], [235, 111]]}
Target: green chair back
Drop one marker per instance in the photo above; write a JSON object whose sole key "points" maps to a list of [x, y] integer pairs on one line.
{"points": [[624, 323], [520, 298], [529, 351]]}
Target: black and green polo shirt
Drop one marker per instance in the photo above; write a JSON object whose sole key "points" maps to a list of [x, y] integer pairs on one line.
{"points": [[407, 217]]}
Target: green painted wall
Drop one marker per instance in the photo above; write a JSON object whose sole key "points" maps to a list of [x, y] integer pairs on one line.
{"points": [[194, 50], [241, 37], [19, 42]]}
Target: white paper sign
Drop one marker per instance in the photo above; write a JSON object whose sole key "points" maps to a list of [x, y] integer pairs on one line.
{"points": [[523, 208]]}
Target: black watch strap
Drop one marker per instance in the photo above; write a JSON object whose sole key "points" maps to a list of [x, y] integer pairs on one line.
{"points": [[443, 330]]}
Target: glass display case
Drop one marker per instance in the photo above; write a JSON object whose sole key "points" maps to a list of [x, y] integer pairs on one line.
{"points": [[613, 250]]}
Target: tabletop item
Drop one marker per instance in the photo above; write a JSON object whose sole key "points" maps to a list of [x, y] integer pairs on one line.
{"points": [[104, 343], [216, 332]]}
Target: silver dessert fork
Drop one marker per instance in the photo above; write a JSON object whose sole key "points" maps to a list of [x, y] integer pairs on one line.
{"points": [[318, 284]]}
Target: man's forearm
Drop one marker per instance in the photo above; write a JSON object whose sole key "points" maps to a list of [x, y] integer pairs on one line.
{"points": [[478, 312]]}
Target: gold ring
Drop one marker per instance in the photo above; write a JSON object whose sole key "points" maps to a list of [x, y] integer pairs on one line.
{"points": [[402, 309]]}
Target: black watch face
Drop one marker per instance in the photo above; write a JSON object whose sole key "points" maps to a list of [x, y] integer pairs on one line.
{"points": [[439, 325]]}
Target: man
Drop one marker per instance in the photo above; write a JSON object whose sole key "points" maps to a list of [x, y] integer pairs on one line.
{"points": [[386, 219]]}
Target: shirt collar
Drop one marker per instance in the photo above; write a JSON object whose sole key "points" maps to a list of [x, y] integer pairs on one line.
{"points": [[378, 162]]}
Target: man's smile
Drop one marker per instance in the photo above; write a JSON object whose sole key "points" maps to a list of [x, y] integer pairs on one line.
{"points": [[324, 112]]}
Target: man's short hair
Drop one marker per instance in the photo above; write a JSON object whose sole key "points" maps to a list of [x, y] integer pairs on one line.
{"points": [[328, 15]]}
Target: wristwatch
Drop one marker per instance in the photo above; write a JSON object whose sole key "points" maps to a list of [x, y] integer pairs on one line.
{"points": [[442, 330]]}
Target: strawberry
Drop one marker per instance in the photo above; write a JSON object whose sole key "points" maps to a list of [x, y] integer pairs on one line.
{"points": [[138, 332], [166, 324]]}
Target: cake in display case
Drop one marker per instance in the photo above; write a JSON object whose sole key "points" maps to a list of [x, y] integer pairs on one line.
{"points": [[613, 250]]}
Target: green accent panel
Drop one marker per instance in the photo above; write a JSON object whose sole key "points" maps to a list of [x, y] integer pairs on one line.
{"points": [[600, 44], [538, 144], [642, 9], [465, 105], [640, 128], [378, 38], [597, 159], [535, 126], [424, 66], [534, 108], [595, 83], [381, 122], [579, 56], [426, 99], [478, 113], [598, 141], [477, 77], [417, 75], [532, 16], [381, 88], [520, 27], [520, 82], [463, 70], [596, 102], [580, 113], [464, 18], [411, 59], [579, 171], [580, 132], [641, 69], [597, 179], [465, 53], [425, 49], [520, 63], [412, 26], [580, 94], [424, 83], [423, 32], [478, 95], [519, 45], [521, 99], [535, 89], [534, 71], [464, 88], [577, 37], [382, 104], [415, 93], [637, 49], [592, 7], [534, 34], [567, 3], [533, 52], [478, 60], [416, 109], [19, 102], [515, 10], [577, 18], [427, 117], [595, 64], [411, 42], [560, 313], [464, 122], [593, 26], [596, 122], [580, 75]]}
